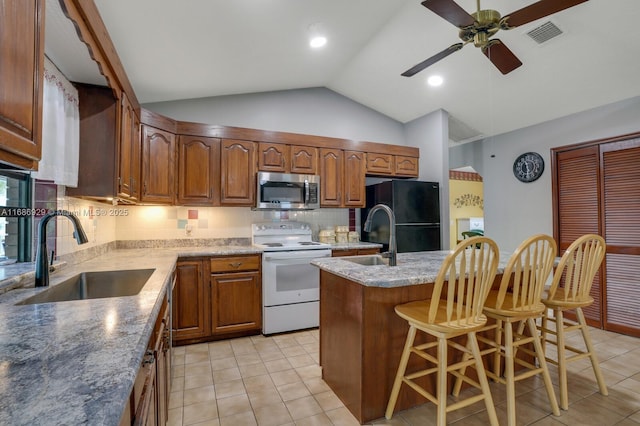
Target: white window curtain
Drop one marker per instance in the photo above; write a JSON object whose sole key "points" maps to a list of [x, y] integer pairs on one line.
{"points": [[60, 129]]}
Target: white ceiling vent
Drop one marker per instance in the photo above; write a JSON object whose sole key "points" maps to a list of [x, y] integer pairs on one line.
{"points": [[544, 32]]}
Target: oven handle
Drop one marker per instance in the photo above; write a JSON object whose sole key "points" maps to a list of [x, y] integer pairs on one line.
{"points": [[295, 257]]}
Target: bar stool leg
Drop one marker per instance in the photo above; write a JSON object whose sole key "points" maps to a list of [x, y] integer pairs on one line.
{"points": [[441, 391], [543, 364], [496, 355], [509, 373], [482, 378], [404, 359], [562, 359], [592, 353]]}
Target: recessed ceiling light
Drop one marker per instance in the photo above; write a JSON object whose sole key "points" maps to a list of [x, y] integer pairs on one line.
{"points": [[317, 41], [435, 81]]}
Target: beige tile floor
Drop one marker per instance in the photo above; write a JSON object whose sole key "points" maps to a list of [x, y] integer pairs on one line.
{"points": [[277, 381]]}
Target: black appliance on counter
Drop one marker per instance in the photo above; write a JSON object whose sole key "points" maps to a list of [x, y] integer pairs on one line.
{"points": [[416, 206]]}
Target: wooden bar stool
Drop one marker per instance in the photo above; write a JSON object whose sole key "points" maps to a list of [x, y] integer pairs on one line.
{"points": [[570, 290], [518, 302], [455, 309]]}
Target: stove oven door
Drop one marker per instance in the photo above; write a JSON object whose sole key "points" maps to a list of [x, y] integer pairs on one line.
{"points": [[288, 276]]}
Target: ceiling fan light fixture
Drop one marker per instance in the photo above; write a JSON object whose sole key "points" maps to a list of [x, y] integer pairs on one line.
{"points": [[435, 81]]}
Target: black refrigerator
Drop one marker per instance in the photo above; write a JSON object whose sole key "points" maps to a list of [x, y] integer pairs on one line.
{"points": [[416, 206]]}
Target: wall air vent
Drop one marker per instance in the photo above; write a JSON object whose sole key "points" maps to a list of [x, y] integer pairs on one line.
{"points": [[544, 32]]}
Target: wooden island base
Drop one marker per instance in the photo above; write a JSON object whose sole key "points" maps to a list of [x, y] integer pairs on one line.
{"points": [[361, 340]]}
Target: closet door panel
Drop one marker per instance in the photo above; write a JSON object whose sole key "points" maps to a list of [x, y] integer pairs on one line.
{"points": [[621, 212]]}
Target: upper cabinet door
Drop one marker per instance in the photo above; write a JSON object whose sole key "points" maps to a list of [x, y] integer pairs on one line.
{"points": [[273, 157], [198, 171], [129, 164], [406, 166], [331, 175], [158, 163], [21, 78], [355, 167], [238, 173], [304, 160]]}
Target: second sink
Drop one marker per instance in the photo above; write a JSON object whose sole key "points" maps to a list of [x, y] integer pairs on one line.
{"points": [[94, 285], [368, 260]]}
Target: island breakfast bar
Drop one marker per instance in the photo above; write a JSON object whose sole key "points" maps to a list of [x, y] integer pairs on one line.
{"points": [[361, 337]]}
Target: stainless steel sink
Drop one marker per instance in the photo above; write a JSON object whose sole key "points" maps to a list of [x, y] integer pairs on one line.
{"points": [[368, 260], [94, 285]]}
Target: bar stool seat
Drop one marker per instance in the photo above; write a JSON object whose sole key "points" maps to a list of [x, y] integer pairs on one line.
{"points": [[455, 309]]}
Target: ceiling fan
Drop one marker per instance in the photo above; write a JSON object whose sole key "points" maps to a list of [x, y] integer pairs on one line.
{"points": [[480, 26]]}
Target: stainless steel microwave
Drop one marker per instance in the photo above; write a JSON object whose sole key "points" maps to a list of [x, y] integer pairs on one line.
{"points": [[284, 191]]}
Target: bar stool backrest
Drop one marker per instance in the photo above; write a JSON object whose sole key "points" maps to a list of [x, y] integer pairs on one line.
{"points": [[578, 265], [469, 271], [526, 274]]}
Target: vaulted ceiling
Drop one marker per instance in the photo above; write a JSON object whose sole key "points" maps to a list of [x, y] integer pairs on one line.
{"points": [[200, 48]]}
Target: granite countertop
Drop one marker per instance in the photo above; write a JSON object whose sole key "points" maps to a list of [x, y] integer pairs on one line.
{"points": [[72, 363], [411, 269]]}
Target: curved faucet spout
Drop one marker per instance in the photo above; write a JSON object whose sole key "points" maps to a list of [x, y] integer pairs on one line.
{"points": [[42, 260], [393, 250]]}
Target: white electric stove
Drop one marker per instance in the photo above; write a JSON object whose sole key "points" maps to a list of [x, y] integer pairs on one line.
{"points": [[290, 284]]}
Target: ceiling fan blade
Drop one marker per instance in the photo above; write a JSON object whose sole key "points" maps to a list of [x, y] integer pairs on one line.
{"points": [[501, 56], [432, 60], [449, 10], [537, 10]]}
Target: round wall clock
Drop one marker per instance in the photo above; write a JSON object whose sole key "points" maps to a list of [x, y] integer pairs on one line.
{"points": [[528, 167]]}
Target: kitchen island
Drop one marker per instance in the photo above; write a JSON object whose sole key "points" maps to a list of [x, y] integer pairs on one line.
{"points": [[361, 337], [75, 362]]}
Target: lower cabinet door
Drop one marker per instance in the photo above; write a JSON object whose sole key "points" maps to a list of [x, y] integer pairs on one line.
{"points": [[236, 302], [190, 310]]}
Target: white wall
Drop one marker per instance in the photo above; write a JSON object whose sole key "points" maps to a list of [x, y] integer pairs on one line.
{"points": [[315, 111], [515, 210]]}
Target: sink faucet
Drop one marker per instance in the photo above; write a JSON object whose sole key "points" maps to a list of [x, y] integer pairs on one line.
{"points": [[42, 261], [393, 250]]}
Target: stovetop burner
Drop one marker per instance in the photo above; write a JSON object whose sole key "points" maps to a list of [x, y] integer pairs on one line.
{"points": [[284, 236]]}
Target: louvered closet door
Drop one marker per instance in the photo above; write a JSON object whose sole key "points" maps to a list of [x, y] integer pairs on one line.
{"points": [[621, 210], [576, 197]]}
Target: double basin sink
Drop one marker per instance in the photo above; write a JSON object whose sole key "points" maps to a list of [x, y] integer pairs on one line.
{"points": [[94, 285]]}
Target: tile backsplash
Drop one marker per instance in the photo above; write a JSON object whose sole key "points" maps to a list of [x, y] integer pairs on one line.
{"points": [[105, 224]]}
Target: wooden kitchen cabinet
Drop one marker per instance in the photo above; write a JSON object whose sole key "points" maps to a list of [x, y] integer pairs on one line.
{"points": [[236, 294], [237, 173], [198, 171], [149, 400], [331, 175], [406, 166], [189, 303], [380, 164], [21, 80], [110, 127], [304, 160], [355, 168], [273, 157], [129, 152], [158, 165], [228, 305]]}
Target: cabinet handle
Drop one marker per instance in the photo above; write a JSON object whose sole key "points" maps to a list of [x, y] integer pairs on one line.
{"points": [[148, 358], [235, 265]]}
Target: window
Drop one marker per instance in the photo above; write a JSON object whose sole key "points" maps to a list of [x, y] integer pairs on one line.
{"points": [[15, 229]]}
